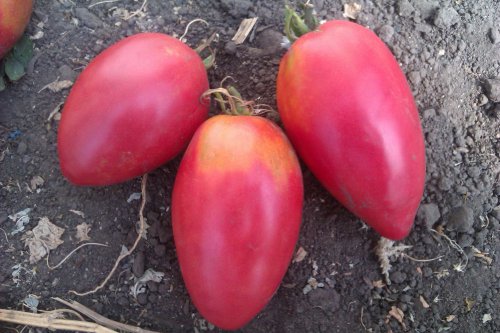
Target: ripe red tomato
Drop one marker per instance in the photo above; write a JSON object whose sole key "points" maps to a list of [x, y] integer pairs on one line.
{"points": [[348, 110], [134, 107], [236, 214], [14, 17]]}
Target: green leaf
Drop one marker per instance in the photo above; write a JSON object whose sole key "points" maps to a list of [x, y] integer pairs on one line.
{"points": [[13, 68], [23, 51]]}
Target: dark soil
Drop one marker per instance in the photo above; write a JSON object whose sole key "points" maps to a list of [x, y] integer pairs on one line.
{"points": [[448, 49]]}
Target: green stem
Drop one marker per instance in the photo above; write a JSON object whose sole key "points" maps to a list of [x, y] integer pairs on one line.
{"points": [[295, 25], [309, 18], [220, 100], [240, 108]]}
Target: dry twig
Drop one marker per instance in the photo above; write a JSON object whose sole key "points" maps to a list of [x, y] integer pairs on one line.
{"points": [[51, 322], [124, 254], [70, 254], [100, 319]]}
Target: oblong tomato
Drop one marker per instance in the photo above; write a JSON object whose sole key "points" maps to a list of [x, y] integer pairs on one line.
{"points": [[14, 17], [348, 110], [236, 214], [133, 108]]}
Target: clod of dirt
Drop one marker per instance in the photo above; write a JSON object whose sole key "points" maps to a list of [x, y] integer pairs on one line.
{"points": [[494, 35], [446, 17], [138, 266], [461, 219], [492, 88], [429, 214], [88, 18], [405, 8], [386, 32], [326, 299], [427, 8]]}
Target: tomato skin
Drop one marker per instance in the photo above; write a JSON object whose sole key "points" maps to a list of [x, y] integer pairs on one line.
{"points": [[348, 110], [14, 17], [134, 107], [236, 214]]}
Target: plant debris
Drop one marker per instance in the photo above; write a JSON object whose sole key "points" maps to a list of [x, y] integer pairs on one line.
{"points": [[387, 252], [424, 302], [134, 196], [486, 318], [245, 28], [36, 182], [351, 10], [483, 256], [77, 212], [57, 85], [82, 232], [140, 285], [397, 314], [469, 303], [31, 302], [45, 237], [300, 255], [21, 219]]}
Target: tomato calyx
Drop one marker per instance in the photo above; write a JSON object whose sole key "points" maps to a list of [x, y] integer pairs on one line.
{"points": [[208, 61], [297, 25], [231, 103]]}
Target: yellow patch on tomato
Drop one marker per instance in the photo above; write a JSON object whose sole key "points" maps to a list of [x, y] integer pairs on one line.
{"points": [[239, 143]]}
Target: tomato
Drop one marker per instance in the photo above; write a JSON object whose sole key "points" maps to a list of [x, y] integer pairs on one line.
{"points": [[236, 214], [14, 17], [133, 108], [348, 110]]}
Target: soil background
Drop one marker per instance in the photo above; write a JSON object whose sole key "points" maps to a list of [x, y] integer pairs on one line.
{"points": [[448, 50]]}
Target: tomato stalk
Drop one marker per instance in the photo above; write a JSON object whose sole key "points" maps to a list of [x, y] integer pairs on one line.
{"points": [[297, 25], [231, 102]]}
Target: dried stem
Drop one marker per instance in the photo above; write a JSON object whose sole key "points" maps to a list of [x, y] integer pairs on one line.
{"points": [[128, 252], [70, 254], [49, 321], [100, 319], [181, 38]]}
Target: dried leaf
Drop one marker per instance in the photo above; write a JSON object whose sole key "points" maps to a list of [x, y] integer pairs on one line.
{"points": [[82, 232], [300, 255], [44, 237], [469, 303], [57, 85], [31, 302], [21, 219], [486, 318], [140, 285], [397, 314], [419, 270], [352, 10], [77, 212], [36, 181], [450, 318], [378, 284], [424, 302], [386, 251], [134, 196]]}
